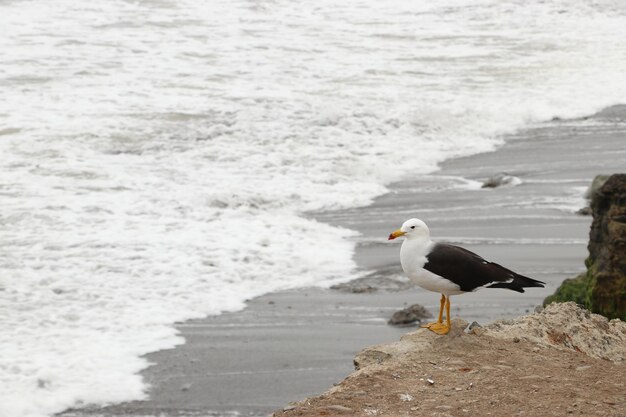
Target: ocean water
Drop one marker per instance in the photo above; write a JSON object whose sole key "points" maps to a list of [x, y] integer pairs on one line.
{"points": [[158, 158]]}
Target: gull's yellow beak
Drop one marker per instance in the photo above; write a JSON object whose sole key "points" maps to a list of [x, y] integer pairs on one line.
{"points": [[395, 234]]}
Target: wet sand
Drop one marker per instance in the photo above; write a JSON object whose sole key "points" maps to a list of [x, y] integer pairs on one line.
{"points": [[285, 346]]}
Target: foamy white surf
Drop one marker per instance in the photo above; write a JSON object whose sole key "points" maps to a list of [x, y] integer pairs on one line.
{"points": [[157, 156]]}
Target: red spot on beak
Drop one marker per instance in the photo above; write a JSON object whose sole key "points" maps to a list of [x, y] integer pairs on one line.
{"points": [[391, 237]]}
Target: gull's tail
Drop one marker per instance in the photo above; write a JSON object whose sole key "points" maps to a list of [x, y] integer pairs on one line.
{"points": [[518, 283]]}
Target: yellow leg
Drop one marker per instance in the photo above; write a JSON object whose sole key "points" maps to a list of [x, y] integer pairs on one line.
{"points": [[439, 327], [442, 303]]}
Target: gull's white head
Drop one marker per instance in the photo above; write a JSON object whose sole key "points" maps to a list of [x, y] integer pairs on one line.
{"points": [[411, 228]]}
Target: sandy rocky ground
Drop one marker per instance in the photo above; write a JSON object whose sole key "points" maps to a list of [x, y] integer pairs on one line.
{"points": [[560, 361]]}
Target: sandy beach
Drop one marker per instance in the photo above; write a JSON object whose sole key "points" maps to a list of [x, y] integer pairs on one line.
{"points": [[289, 345]]}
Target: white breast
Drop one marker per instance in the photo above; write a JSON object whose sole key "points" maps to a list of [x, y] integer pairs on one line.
{"points": [[413, 258]]}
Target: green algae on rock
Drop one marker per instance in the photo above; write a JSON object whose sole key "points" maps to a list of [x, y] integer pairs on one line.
{"points": [[602, 288]]}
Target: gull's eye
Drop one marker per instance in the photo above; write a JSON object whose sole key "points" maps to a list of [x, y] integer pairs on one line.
{"points": [[412, 227]]}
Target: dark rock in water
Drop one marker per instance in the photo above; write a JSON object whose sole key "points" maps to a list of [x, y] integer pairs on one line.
{"points": [[585, 211], [602, 289], [409, 315], [500, 180], [384, 279], [356, 289]]}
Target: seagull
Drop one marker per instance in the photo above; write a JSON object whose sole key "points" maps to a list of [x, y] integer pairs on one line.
{"points": [[450, 270]]}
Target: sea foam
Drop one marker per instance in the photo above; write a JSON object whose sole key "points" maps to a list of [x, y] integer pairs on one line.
{"points": [[158, 158]]}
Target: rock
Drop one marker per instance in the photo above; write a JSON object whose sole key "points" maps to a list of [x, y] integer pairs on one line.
{"points": [[597, 182], [405, 397], [474, 328], [339, 408], [370, 356], [563, 333], [409, 315], [354, 288], [389, 278], [585, 211], [567, 326], [534, 376], [607, 249], [412, 341], [500, 180], [602, 288]]}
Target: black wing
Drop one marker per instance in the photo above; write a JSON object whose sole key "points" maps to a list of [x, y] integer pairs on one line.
{"points": [[470, 271]]}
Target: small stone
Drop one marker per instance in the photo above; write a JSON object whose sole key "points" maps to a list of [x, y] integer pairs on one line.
{"points": [[289, 407], [583, 368], [339, 408], [531, 377], [430, 381], [516, 340], [405, 397], [444, 407], [474, 325]]}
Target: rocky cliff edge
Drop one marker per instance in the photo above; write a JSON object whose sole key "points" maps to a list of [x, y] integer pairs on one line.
{"points": [[563, 360]]}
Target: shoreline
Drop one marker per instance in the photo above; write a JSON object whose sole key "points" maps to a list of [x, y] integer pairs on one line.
{"points": [[288, 345]]}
